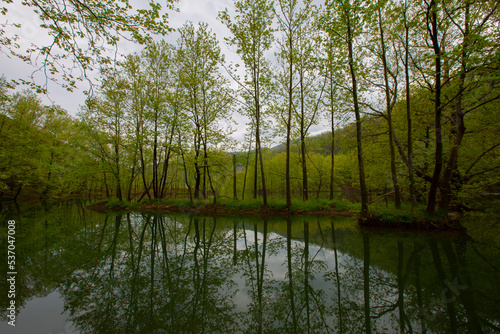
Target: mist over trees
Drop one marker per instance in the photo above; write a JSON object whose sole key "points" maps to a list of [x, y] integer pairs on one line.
{"points": [[409, 91]]}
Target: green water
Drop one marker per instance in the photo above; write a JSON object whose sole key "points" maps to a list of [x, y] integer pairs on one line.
{"points": [[80, 271]]}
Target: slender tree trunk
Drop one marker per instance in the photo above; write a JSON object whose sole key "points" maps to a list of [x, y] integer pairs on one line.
{"points": [[397, 193], [168, 153], [264, 190], [256, 171], [332, 138], [305, 190], [155, 158], [131, 182], [197, 167], [117, 174], [433, 30], [246, 169], [235, 194], [106, 185], [288, 191], [361, 166], [185, 171], [257, 135], [143, 163], [408, 111]]}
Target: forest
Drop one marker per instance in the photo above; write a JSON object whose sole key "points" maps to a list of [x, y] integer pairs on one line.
{"points": [[407, 93]]}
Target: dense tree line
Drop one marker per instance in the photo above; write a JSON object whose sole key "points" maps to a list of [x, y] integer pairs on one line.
{"points": [[418, 81]]}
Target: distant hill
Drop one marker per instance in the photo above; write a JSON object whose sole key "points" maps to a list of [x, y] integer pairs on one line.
{"points": [[321, 143]]}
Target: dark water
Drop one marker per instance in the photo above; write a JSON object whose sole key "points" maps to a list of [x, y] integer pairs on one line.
{"points": [[86, 272]]}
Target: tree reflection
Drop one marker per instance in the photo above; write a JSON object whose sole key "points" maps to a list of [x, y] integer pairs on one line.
{"points": [[144, 273], [152, 280]]}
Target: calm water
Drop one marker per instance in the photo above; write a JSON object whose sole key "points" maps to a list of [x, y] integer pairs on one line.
{"points": [[86, 272]]}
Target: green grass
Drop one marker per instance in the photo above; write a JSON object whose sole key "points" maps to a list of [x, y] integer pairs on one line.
{"points": [[404, 216], [238, 205], [232, 204]]}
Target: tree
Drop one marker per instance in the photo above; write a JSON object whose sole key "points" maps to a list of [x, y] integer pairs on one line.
{"points": [[344, 22], [134, 74], [433, 29], [252, 36], [476, 56], [289, 18], [157, 59], [390, 92], [385, 48], [103, 118], [311, 88], [82, 33], [207, 99]]}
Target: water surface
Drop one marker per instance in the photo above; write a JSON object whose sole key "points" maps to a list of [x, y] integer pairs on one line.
{"points": [[81, 271]]}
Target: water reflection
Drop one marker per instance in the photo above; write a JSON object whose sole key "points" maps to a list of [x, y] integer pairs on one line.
{"points": [[139, 273]]}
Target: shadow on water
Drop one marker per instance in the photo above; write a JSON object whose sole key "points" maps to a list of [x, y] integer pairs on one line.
{"points": [[144, 273]]}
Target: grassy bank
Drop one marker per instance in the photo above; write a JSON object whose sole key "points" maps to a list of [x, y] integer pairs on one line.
{"points": [[378, 216], [410, 218], [230, 206]]}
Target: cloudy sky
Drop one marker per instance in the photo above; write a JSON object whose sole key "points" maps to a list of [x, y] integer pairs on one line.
{"points": [[30, 32]]}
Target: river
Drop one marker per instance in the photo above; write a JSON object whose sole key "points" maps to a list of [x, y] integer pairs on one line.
{"points": [[81, 271]]}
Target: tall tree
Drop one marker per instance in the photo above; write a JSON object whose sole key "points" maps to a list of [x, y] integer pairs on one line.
{"points": [[432, 12], [157, 61], [289, 18], [252, 37], [206, 94], [103, 117], [311, 86], [386, 51], [134, 73], [472, 62], [343, 20]]}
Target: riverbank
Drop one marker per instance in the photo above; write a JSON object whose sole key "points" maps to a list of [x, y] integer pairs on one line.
{"points": [[380, 217], [231, 207]]}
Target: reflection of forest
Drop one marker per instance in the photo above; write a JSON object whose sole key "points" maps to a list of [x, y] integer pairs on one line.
{"points": [[135, 273]]}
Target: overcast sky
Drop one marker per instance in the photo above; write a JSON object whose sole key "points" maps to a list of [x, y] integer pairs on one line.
{"points": [[30, 32]]}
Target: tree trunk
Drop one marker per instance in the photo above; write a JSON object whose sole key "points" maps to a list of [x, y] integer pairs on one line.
{"points": [[117, 174], [408, 112], [259, 150], [288, 191], [438, 157], [332, 138], [246, 170], [185, 170], [197, 177], [155, 158], [305, 190], [459, 127], [397, 193], [235, 194], [361, 166]]}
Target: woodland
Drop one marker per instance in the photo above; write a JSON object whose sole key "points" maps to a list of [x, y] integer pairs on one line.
{"points": [[407, 92]]}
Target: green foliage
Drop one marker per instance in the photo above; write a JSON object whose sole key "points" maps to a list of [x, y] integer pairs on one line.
{"points": [[82, 35]]}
